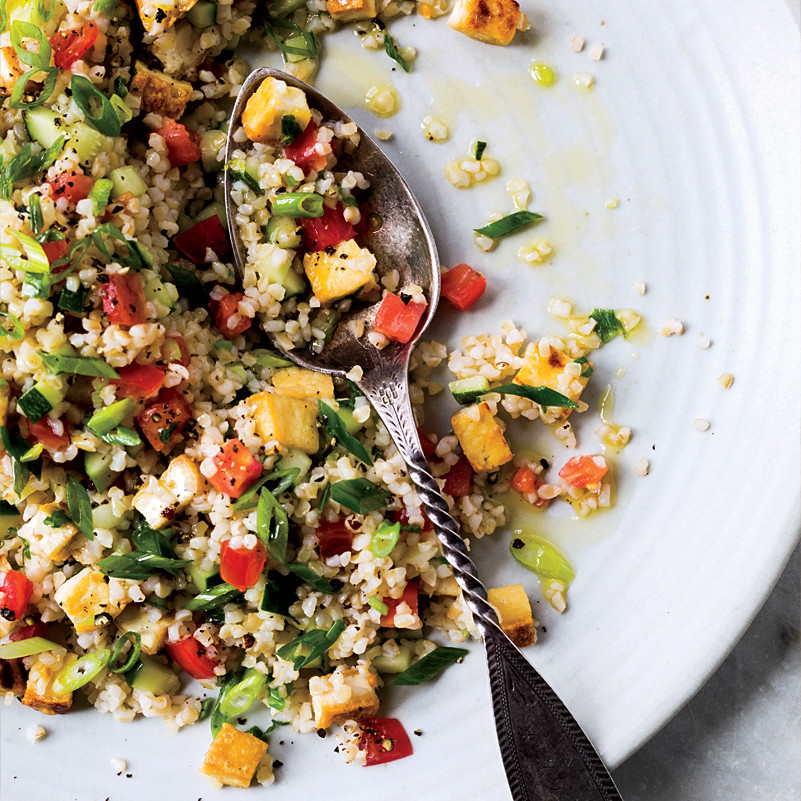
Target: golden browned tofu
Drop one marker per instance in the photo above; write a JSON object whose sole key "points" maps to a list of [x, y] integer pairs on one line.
{"points": [[233, 757], [86, 599], [160, 93], [349, 10], [13, 677], [50, 541], [345, 694], [159, 15], [39, 693], [336, 275], [556, 370], [10, 69], [490, 21], [514, 611], [283, 422], [297, 382], [273, 100], [481, 437]]}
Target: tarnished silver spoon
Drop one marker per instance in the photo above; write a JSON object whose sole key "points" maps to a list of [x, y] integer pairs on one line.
{"points": [[546, 755]]}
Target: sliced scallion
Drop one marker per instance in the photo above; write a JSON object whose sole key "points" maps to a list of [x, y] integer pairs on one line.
{"points": [[359, 495], [79, 507], [33, 58], [33, 453], [385, 539], [243, 694], [123, 436], [214, 598], [541, 395], [607, 324], [139, 566], [378, 605], [272, 525], [309, 646], [133, 655], [541, 557], [391, 49], [16, 331], [20, 88], [430, 665], [100, 194], [312, 578], [111, 416], [58, 363], [335, 427], [508, 224], [299, 204], [28, 647], [85, 95], [81, 672]]}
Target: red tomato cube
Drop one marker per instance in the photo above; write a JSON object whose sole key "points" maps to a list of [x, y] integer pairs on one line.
{"points": [[227, 317], [463, 286], [183, 145], [459, 479], [383, 740], [124, 299], [401, 516], [139, 380], [208, 234], [72, 44], [409, 596], [191, 656], [584, 471], [53, 434], [73, 186], [334, 538], [163, 421], [397, 320], [237, 469], [303, 151], [15, 593], [327, 231], [241, 567], [428, 444]]}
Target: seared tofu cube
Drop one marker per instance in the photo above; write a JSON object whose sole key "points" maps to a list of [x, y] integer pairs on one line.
{"points": [[547, 366], [514, 611], [336, 275], [183, 479], [283, 422], [50, 541], [481, 437], [13, 677], [273, 100], [91, 600], [10, 69], [349, 10], [160, 94], [233, 757], [297, 382], [345, 694], [158, 15], [153, 632], [39, 692], [490, 21], [156, 503]]}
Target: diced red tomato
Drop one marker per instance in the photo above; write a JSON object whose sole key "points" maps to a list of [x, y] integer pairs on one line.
{"points": [[237, 469], [72, 44], [241, 567], [139, 380], [124, 299], [384, 740], [26, 632], [584, 471], [53, 434], [205, 235], [73, 186], [15, 593], [463, 286], [54, 250], [401, 516], [191, 656], [397, 320], [226, 317], [409, 596], [459, 479], [163, 421], [524, 480], [428, 445], [327, 231], [334, 538], [175, 344], [183, 145], [303, 152]]}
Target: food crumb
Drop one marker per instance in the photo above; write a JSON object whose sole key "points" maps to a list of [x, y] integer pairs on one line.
{"points": [[640, 467], [704, 343], [639, 287], [671, 326], [577, 44], [355, 373], [699, 424], [611, 203], [596, 53], [418, 733], [559, 307], [118, 765], [434, 129], [725, 380], [383, 134], [36, 733], [583, 80]]}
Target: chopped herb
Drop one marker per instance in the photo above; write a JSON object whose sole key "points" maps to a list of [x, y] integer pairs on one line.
{"points": [[85, 95], [508, 224], [188, 285], [26, 165], [218, 718], [309, 646], [35, 208], [149, 540], [207, 704], [306, 43], [391, 49], [120, 87], [607, 324], [541, 395], [139, 566], [214, 598], [80, 508], [379, 605], [290, 129], [479, 151], [285, 478], [272, 525], [166, 433], [57, 519], [100, 194], [123, 436], [335, 427], [360, 495], [313, 579], [326, 494], [430, 665], [133, 656], [280, 592], [26, 548], [587, 371], [16, 331]]}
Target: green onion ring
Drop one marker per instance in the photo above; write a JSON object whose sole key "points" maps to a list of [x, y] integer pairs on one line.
{"points": [[81, 672], [18, 90], [299, 204], [133, 656]]}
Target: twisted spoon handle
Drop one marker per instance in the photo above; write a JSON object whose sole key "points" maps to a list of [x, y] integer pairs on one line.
{"points": [[546, 755]]}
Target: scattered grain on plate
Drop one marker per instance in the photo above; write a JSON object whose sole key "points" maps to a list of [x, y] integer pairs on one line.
{"points": [[640, 467], [704, 343], [611, 203], [583, 80], [36, 733], [577, 44], [671, 326], [434, 129], [700, 424], [559, 307], [596, 53], [536, 252], [383, 134], [639, 287], [118, 765], [725, 380]]}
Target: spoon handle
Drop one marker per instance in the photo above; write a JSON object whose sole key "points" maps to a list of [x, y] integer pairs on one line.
{"points": [[546, 755]]}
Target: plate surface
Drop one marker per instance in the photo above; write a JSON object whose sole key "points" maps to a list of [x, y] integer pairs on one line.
{"points": [[693, 126]]}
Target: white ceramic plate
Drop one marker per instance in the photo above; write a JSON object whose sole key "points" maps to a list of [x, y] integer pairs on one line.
{"points": [[693, 125]]}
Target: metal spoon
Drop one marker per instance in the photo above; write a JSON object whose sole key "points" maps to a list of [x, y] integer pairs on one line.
{"points": [[546, 755]]}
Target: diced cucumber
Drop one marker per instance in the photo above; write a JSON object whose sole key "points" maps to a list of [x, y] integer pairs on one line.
{"points": [[103, 517], [39, 400], [152, 676], [158, 293], [467, 390], [127, 179], [394, 664], [266, 358], [238, 370], [98, 468], [283, 231], [44, 125], [297, 41], [233, 43], [211, 143], [85, 141], [200, 577], [348, 418], [296, 458], [294, 284], [203, 14], [184, 222], [73, 302], [247, 171], [215, 207], [283, 8]]}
